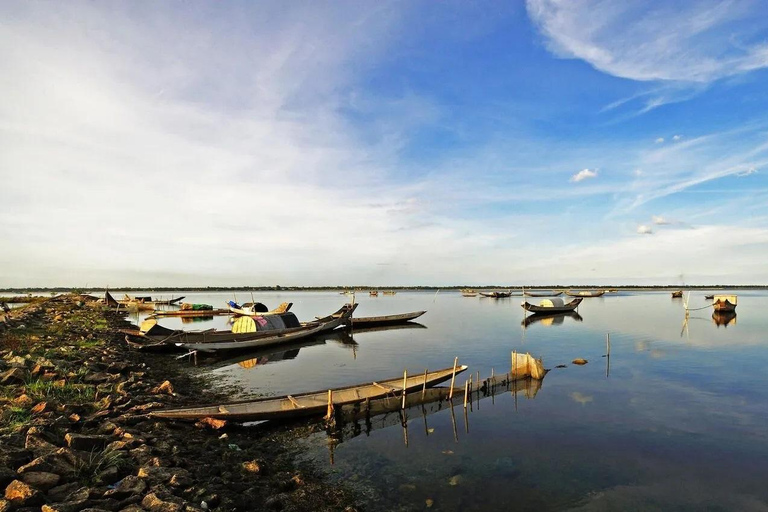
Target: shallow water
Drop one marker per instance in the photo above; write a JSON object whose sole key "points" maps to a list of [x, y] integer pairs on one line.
{"points": [[673, 420]]}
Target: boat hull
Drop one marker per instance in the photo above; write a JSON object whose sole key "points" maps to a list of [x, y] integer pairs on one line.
{"points": [[308, 404], [533, 308], [375, 321]]}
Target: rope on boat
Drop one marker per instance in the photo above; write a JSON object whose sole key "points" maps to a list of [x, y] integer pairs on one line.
{"points": [[697, 309]]}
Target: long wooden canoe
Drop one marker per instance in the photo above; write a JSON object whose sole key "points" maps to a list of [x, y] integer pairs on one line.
{"points": [[375, 321], [211, 340], [545, 294], [308, 404], [496, 295], [598, 293], [570, 306]]}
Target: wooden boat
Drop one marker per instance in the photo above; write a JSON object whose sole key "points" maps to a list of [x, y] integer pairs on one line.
{"points": [[549, 319], [389, 292], [544, 294], [678, 294], [127, 300], [308, 404], [598, 293], [709, 297], [190, 313], [373, 293], [724, 302], [496, 295], [109, 300], [468, 292], [374, 321], [257, 309], [552, 306], [245, 334]]}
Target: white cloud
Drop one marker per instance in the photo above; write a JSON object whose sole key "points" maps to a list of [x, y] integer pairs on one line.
{"points": [[583, 175], [677, 137], [659, 220], [684, 41], [660, 140], [749, 171], [642, 229], [637, 172]]}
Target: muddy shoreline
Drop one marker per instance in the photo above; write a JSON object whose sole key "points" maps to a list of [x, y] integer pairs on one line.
{"points": [[75, 433]]}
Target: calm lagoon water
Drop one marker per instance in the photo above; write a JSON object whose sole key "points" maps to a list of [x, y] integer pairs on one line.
{"points": [[678, 421]]}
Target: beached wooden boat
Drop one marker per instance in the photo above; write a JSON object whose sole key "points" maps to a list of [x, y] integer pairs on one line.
{"points": [[127, 300], [598, 293], [308, 404], [245, 333], [374, 321], [257, 308], [552, 306], [543, 294], [724, 302], [678, 294], [109, 300], [496, 295]]}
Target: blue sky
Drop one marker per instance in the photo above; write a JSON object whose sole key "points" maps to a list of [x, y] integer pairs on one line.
{"points": [[434, 143]]}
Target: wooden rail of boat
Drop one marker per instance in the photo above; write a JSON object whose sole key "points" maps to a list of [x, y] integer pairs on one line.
{"points": [[585, 294], [570, 306], [191, 313], [373, 321], [282, 308], [546, 294], [308, 404]]}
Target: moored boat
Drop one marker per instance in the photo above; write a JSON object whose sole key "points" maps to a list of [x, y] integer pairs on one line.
{"points": [[709, 297], [543, 294], [553, 305], [257, 308], [597, 293], [724, 302], [374, 321], [677, 294], [496, 294], [309, 404]]}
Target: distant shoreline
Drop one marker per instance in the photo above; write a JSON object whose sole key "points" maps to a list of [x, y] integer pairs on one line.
{"points": [[24, 291]]}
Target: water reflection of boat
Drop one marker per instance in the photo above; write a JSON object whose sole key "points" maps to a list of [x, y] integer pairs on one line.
{"points": [[309, 404], [549, 306], [724, 318], [356, 419], [550, 319]]}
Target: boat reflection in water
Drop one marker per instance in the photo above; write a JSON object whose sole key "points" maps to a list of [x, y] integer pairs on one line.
{"points": [[363, 418], [550, 320], [273, 354], [724, 318]]}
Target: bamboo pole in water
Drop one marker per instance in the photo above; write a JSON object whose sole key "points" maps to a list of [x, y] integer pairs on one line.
{"points": [[330, 405], [466, 392], [453, 377], [405, 384], [424, 386]]}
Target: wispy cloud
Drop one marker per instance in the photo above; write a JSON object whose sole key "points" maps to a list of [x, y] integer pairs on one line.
{"points": [[583, 175], [681, 41], [677, 137], [660, 140], [748, 172], [659, 220]]}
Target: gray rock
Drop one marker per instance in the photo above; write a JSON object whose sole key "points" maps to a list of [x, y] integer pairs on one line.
{"points": [[87, 443], [40, 479], [128, 486]]}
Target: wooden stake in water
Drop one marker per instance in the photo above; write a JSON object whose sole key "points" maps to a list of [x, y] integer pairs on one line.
{"points": [[466, 392], [608, 344], [329, 414], [424, 386], [453, 377], [405, 384]]}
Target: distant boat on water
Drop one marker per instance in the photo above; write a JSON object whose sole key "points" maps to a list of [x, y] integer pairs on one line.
{"points": [[724, 303], [678, 294]]}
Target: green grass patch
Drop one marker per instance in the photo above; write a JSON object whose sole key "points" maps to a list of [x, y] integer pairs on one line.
{"points": [[97, 461], [71, 393], [14, 417]]}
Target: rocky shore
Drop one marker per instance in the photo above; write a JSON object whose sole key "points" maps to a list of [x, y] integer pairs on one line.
{"points": [[75, 433]]}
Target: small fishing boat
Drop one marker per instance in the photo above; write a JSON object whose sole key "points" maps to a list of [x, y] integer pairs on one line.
{"points": [[128, 300], [678, 294], [309, 404], [552, 306], [373, 293], [544, 294], [257, 308], [374, 321], [247, 332], [598, 293], [468, 292], [724, 302], [389, 292], [709, 297], [496, 295]]}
